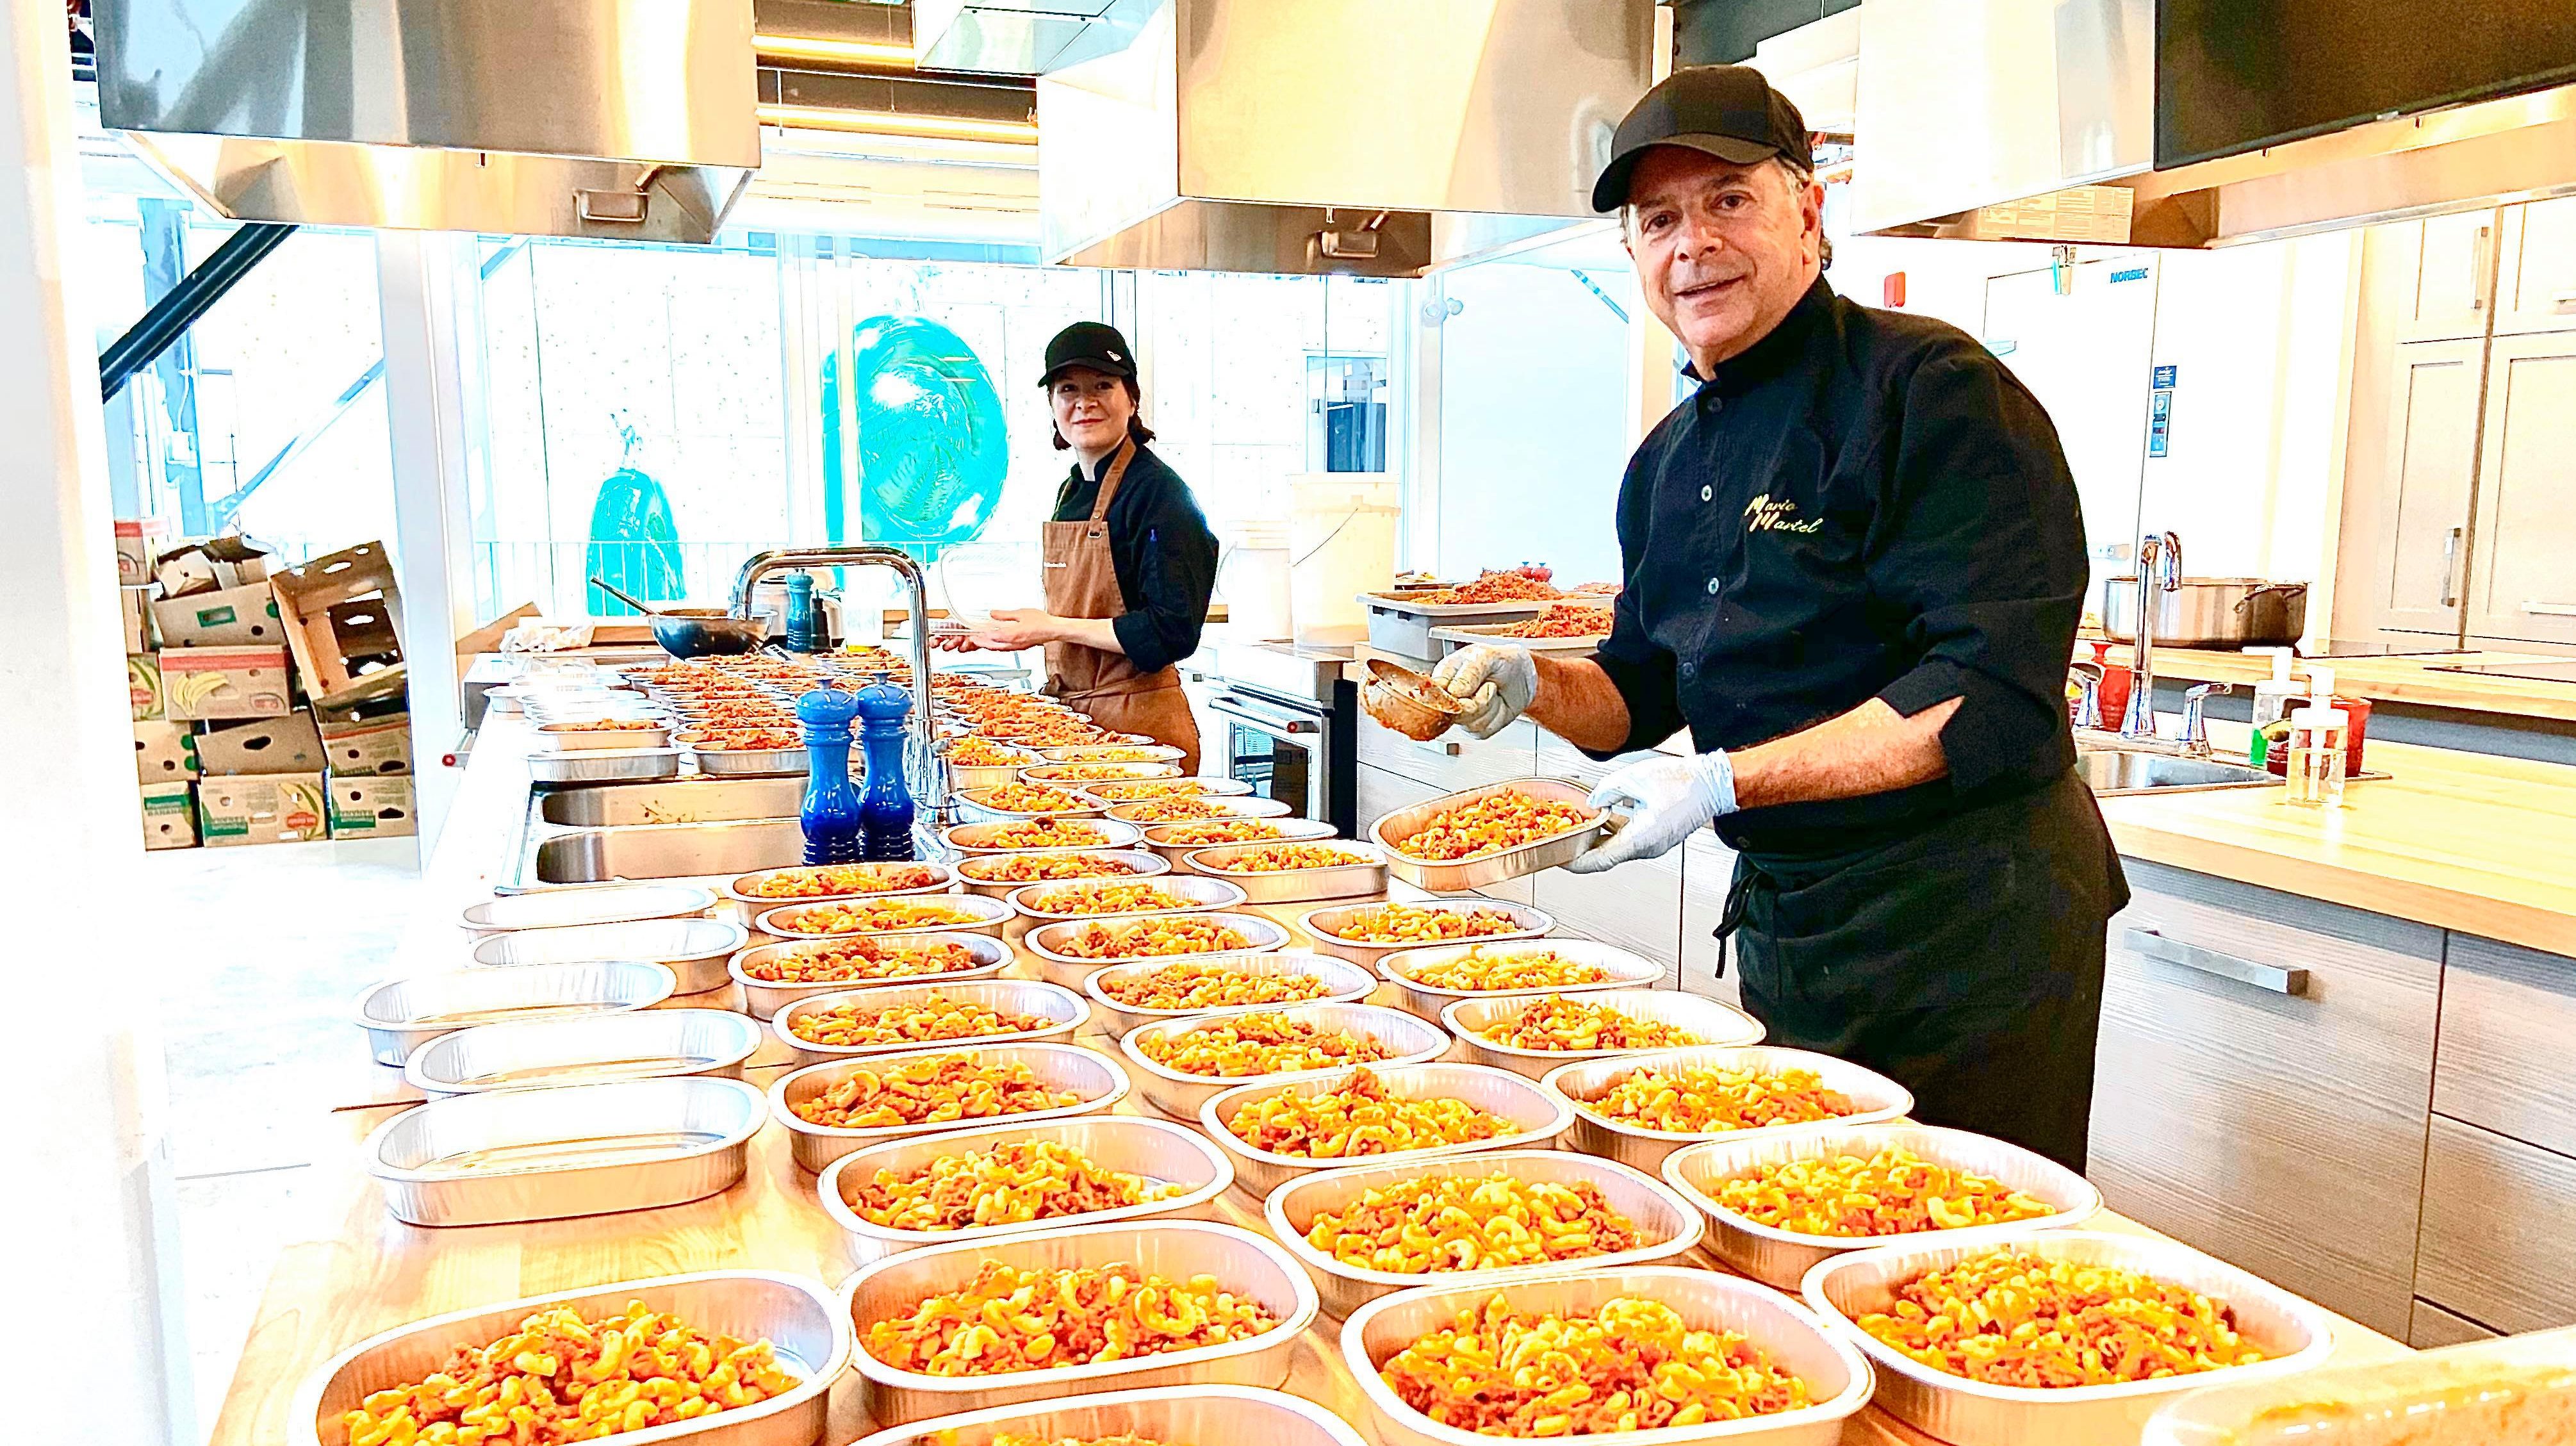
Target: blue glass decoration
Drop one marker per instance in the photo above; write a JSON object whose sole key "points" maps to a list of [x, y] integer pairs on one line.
{"points": [[885, 809], [831, 815], [925, 467], [804, 619]]}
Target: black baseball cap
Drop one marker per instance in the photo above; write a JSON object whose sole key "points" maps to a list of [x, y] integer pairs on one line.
{"points": [[1093, 344], [1728, 111]]}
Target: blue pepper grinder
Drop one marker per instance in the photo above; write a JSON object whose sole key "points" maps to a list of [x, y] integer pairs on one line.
{"points": [[804, 619], [885, 809], [831, 816]]}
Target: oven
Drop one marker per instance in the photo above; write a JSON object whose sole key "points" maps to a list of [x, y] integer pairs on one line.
{"points": [[1300, 750]]}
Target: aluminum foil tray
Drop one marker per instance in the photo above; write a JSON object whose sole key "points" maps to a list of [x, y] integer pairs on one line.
{"points": [[1204, 1414], [1345, 983], [605, 765], [559, 908], [401, 1015], [1783, 1257], [1156, 1150], [642, 1044], [1666, 1222], [2293, 1334], [972, 808], [989, 916], [1392, 829], [806, 1326], [749, 762], [1452, 638], [1627, 970], [1286, 886], [763, 999], [1265, 934], [1063, 1010], [1322, 923], [968, 839], [1879, 1097], [1228, 806], [516, 1155], [1141, 864], [1090, 752], [1291, 830], [575, 737], [739, 888], [1181, 1095], [1838, 1377], [1541, 1117], [1710, 1021], [695, 949], [1115, 790], [1092, 1075], [1203, 896], [1241, 1261], [1075, 775]]}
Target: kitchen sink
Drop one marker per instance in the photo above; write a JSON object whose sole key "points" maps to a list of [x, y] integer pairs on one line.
{"points": [[2110, 772], [701, 800], [666, 851]]}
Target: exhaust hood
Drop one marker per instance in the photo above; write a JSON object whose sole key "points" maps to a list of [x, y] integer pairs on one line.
{"points": [[625, 119], [1335, 135], [2035, 120]]}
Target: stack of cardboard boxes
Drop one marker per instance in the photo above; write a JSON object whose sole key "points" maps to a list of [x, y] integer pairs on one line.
{"points": [[267, 708]]}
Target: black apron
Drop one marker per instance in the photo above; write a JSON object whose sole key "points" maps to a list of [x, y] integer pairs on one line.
{"points": [[1964, 962]]}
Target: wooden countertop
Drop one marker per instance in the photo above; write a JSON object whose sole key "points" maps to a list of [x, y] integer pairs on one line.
{"points": [[2463, 841], [2413, 679]]}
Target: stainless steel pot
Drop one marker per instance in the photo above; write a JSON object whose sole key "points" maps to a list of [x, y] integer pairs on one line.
{"points": [[2210, 612]]}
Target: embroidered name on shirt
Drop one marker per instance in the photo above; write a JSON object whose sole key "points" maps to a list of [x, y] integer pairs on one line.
{"points": [[1764, 515]]}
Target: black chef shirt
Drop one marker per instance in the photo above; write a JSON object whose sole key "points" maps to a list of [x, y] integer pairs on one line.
{"points": [[1162, 551], [1863, 504]]}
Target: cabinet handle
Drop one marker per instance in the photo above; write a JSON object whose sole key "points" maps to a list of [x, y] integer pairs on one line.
{"points": [[2551, 610], [2274, 977], [2451, 568], [2478, 270]]}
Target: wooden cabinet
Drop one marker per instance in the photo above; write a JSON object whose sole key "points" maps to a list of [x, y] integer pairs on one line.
{"points": [[2434, 1327], [2430, 474], [2535, 286], [2453, 260], [1452, 761], [2499, 1241], [2508, 1021], [2522, 584], [2281, 1131]]}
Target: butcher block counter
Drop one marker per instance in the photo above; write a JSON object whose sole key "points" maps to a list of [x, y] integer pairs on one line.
{"points": [[370, 1272]]}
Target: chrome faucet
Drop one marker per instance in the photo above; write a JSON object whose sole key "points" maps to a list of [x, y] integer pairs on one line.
{"points": [[851, 554], [2159, 568], [2195, 726], [2087, 678]]}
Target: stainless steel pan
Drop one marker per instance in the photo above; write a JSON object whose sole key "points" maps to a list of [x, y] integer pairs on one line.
{"points": [[2210, 612]]}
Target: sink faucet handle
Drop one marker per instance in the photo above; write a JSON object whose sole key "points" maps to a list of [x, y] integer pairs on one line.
{"points": [[2087, 678], [2163, 552], [2195, 730]]}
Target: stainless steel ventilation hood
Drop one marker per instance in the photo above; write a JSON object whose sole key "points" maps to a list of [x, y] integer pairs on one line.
{"points": [[1021, 37], [1380, 139], [2035, 120], [630, 119]]}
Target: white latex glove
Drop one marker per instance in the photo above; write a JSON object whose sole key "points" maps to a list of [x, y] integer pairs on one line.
{"points": [[1493, 681], [1672, 796]]}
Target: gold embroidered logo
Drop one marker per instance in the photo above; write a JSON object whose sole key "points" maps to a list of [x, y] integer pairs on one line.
{"points": [[1764, 515]]}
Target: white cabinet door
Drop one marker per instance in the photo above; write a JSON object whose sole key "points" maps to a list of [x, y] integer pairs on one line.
{"points": [[2536, 280], [2524, 574], [2421, 520], [2454, 277]]}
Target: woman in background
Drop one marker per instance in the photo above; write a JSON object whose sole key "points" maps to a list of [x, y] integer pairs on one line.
{"points": [[1129, 561]]}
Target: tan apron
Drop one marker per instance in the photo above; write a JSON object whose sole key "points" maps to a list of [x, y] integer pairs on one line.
{"points": [[1081, 582]]}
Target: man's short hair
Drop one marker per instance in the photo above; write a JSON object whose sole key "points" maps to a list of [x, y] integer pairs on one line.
{"points": [[1799, 178]]}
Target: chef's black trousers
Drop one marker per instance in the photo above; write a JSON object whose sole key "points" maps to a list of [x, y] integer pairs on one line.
{"points": [[1964, 962]]}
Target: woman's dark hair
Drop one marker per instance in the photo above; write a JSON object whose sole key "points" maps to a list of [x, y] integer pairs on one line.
{"points": [[1136, 427]]}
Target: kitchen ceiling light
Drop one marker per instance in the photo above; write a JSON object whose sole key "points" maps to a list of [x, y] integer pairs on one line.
{"points": [[888, 123], [827, 50]]}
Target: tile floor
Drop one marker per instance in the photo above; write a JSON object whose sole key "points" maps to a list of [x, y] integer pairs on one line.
{"points": [[286, 935]]}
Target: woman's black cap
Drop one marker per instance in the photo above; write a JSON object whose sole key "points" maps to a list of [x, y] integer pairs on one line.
{"points": [[1728, 111], [1092, 344]]}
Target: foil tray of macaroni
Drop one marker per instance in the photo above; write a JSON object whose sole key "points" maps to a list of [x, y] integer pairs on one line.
{"points": [[1204, 896], [798, 1317], [749, 762], [1141, 864], [969, 840], [1289, 886], [2292, 1334], [1062, 1010], [1265, 935], [1291, 830], [1242, 1262], [605, 765], [508, 1156], [1344, 983], [1838, 1376], [762, 999], [989, 916], [541, 1054], [1091, 752], [1666, 1223], [558, 908], [1094, 1076], [1711, 1021], [972, 808], [578, 736], [1074, 775], [738, 889], [1540, 1116], [1227, 806], [1160, 1152], [1879, 1098], [1627, 970], [1203, 786], [694, 949], [1783, 1257], [1183, 1415], [1528, 923], [401, 1015], [1452, 877], [1181, 1095]]}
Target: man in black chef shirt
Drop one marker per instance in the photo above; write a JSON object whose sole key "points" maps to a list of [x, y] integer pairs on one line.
{"points": [[1853, 568]]}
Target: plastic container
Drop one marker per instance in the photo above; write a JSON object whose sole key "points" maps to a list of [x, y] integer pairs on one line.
{"points": [[1254, 579], [2316, 757], [1341, 538]]}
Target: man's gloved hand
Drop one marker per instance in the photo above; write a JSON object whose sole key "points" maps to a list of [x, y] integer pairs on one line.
{"points": [[1493, 681], [1672, 797]]}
